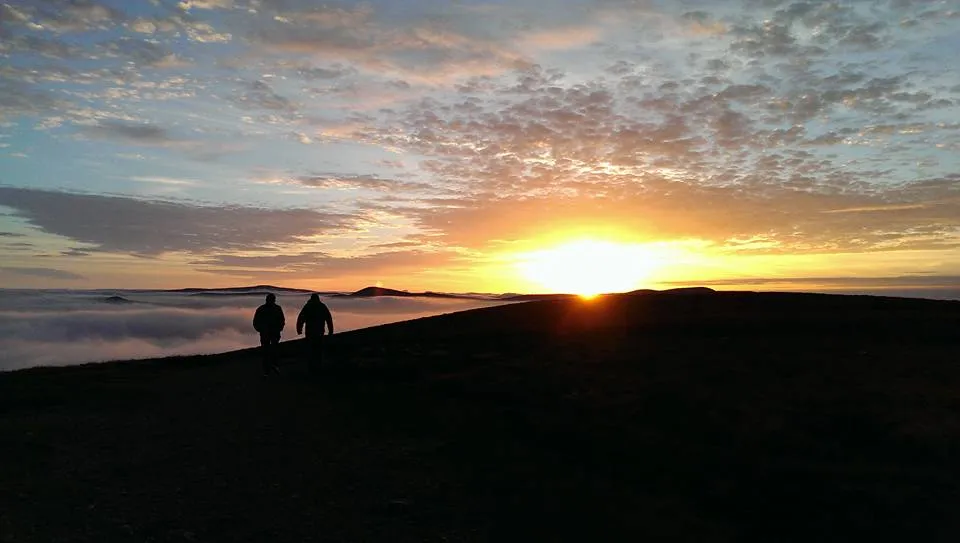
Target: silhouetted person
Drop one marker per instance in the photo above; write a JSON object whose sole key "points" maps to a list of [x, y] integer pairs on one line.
{"points": [[314, 315], [269, 321]]}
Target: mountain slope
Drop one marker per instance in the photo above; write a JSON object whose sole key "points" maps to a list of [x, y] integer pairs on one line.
{"points": [[702, 417]]}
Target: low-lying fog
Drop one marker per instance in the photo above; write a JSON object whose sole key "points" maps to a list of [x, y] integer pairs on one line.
{"points": [[71, 327]]}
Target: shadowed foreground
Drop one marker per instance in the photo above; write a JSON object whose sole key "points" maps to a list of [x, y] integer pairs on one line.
{"points": [[686, 416]]}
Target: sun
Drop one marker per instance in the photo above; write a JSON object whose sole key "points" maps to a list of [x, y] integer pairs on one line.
{"points": [[589, 267]]}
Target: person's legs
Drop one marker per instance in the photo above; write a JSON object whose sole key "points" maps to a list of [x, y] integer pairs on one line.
{"points": [[314, 354], [268, 353], [274, 347], [265, 354]]}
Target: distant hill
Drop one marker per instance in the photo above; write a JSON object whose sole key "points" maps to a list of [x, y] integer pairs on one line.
{"points": [[641, 291], [684, 290], [116, 300], [378, 291], [239, 291], [374, 292]]}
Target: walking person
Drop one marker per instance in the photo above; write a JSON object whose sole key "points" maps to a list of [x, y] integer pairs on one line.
{"points": [[269, 321], [315, 316]]}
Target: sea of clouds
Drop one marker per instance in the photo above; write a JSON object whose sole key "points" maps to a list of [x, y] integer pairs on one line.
{"points": [[62, 327]]}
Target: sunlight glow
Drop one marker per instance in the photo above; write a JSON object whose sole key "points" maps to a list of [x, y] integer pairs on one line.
{"points": [[589, 267]]}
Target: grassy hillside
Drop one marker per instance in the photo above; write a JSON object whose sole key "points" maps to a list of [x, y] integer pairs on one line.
{"points": [[691, 417]]}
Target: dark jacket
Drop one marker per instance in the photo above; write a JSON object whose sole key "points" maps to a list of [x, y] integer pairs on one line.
{"points": [[268, 320], [314, 315]]}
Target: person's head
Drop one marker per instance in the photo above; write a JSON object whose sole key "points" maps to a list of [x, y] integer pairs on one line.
{"points": [[271, 298], [314, 298]]}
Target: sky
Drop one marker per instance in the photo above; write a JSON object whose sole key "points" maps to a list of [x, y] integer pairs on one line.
{"points": [[480, 146]]}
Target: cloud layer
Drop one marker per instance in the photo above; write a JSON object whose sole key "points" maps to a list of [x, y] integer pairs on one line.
{"points": [[71, 327]]}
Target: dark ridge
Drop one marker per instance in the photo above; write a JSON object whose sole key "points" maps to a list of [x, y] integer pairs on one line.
{"points": [[369, 292], [642, 291], [256, 289], [684, 290], [117, 300], [373, 292]]}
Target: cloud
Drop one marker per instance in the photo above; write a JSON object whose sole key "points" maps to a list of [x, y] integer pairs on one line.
{"points": [[161, 180], [18, 98], [656, 208], [151, 135], [421, 50], [561, 38], [205, 4], [50, 273], [93, 44], [47, 48], [26, 354], [259, 94], [91, 335], [145, 227], [19, 246], [365, 182], [273, 261], [667, 157], [156, 325], [397, 245], [878, 208], [62, 16], [143, 134], [309, 72], [73, 251], [142, 52]]}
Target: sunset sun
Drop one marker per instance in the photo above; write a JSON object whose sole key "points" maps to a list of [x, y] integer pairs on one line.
{"points": [[589, 267]]}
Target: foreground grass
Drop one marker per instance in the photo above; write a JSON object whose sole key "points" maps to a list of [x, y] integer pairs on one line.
{"points": [[714, 417]]}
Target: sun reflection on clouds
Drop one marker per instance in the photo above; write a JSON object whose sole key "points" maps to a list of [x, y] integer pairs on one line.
{"points": [[589, 266]]}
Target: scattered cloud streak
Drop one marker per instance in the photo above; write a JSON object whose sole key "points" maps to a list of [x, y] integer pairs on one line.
{"points": [[137, 133], [50, 273], [144, 227]]}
